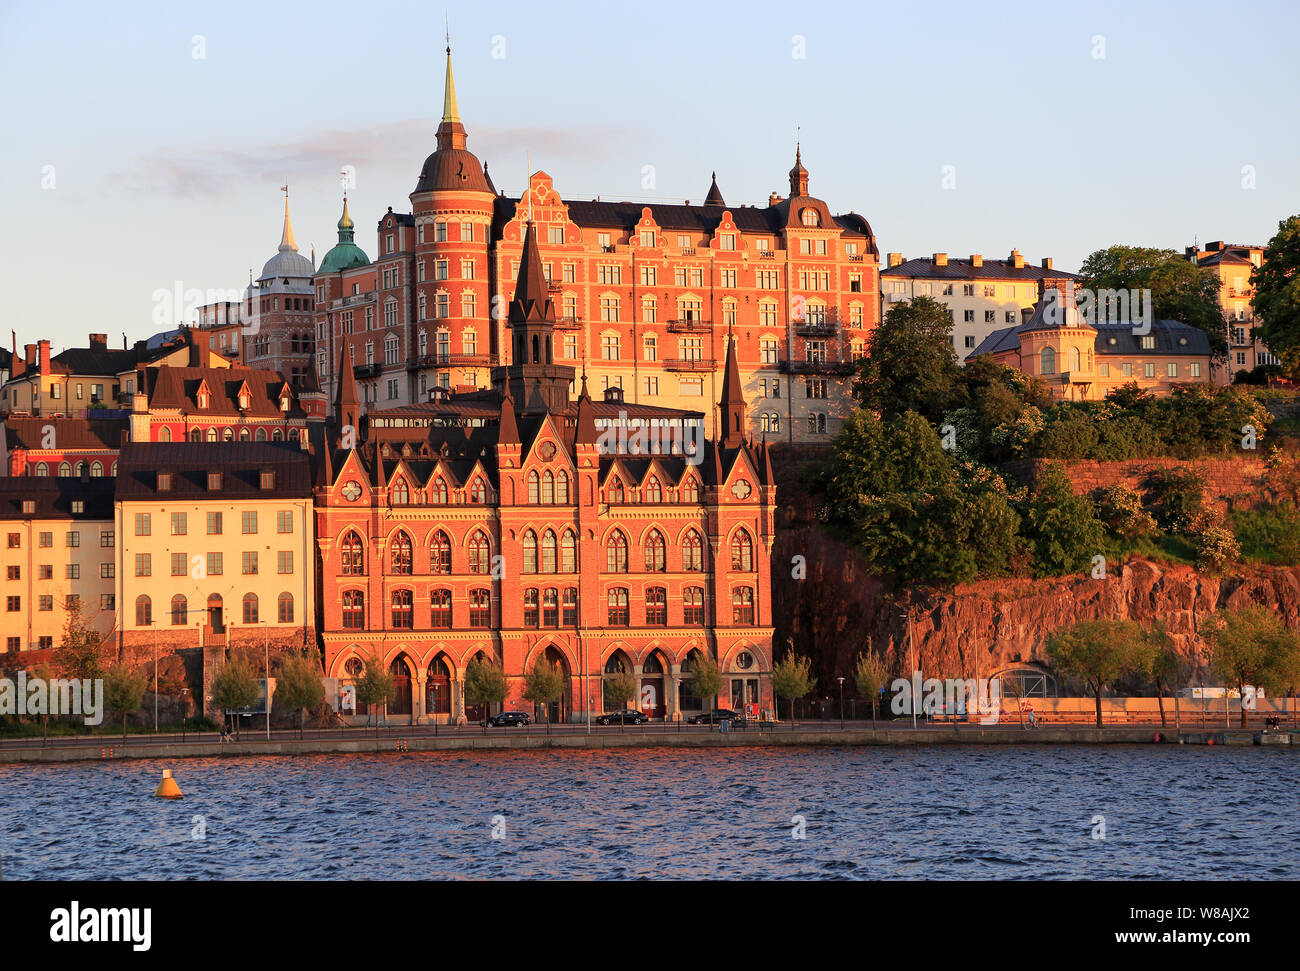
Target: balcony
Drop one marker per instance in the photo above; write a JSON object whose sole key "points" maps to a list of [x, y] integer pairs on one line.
{"points": [[818, 367], [686, 251], [568, 323], [689, 364], [814, 328], [855, 259], [367, 370], [450, 360], [767, 254], [553, 287], [688, 325]]}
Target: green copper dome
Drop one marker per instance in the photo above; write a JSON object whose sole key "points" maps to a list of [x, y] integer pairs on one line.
{"points": [[346, 254]]}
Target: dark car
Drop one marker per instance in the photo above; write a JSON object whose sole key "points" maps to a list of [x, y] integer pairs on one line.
{"points": [[507, 718], [722, 714], [625, 717]]}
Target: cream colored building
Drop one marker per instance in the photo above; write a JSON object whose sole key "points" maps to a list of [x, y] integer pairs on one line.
{"points": [[1233, 264], [59, 547], [215, 537], [983, 295]]}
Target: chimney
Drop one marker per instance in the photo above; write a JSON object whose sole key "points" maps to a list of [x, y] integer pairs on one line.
{"points": [[1025, 314], [1047, 262], [940, 259], [45, 356], [30, 359], [99, 342], [16, 364], [895, 259], [1017, 260], [1214, 247], [976, 260], [775, 199]]}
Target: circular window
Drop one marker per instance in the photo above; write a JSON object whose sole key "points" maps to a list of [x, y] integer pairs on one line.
{"points": [[741, 489], [353, 667], [1112, 340], [351, 490], [744, 660]]}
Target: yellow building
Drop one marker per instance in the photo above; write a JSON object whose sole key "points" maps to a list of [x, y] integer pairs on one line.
{"points": [[1080, 361], [215, 538], [1233, 264], [59, 548]]}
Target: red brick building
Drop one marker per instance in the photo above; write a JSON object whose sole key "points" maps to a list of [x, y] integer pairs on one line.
{"points": [[505, 523], [645, 294]]}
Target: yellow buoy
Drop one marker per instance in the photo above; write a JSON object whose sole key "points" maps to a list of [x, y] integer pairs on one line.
{"points": [[168, 789]]}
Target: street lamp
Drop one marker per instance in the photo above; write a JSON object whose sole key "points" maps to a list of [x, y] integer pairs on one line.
{"points": [[841, 681]]}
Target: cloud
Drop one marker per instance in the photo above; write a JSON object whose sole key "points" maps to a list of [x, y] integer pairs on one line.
{"points": [[401, 146]]}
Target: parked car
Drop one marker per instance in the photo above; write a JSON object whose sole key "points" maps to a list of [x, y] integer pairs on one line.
{"points": [[625, 717], [507, 718], [722, 714]]}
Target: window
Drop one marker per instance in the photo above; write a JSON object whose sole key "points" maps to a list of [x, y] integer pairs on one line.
{"points": [[693, 553], [45, 602], [284, 521], [45, 571], [656, 607], [438, 494], [616, 553], [399, 556], [616, 493], [72, 538], [180, 524], [216, 564], [214, 524], [74, 571], [1047, 361], [354, 610], [180, 611], [248, 522], [568, 552], [107, 538], [477, 492], [653, 491], [656, 557], [742, 605], [1171, 370], [353, 556], [284, 608], [107, 571], [1195, 370], [143, 565], [618, 609], [480, 608], [530, 552], [248, 562], [440, 609], [250, 608], [479, 554], [1149, 343], [284, 562], [570, 615], [142, 524], [403, 613], [440, 554], [180, 564], [742, 551], [531, 607], [609, 347], [143, 611], [548, 551]]}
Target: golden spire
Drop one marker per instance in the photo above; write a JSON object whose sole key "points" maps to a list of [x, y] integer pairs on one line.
{"points": [[346, 221], [286, 238], [449, 110]]}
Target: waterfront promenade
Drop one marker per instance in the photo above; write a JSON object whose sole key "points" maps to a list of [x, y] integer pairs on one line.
{"points": [[425, 738]]}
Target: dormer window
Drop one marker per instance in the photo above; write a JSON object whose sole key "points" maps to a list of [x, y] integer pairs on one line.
{"points": [[810, 217], [267, 481], [203, 396], [244, 401], [214, 481], [164, 481]]}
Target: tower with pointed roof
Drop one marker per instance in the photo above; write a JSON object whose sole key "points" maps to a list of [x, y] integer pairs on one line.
{"points": [[731, 409], [346, 254], [278, 310], [535, 381], [346, 408]]}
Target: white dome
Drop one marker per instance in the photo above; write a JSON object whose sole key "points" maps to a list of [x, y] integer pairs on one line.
{"points": [[287, 263]]}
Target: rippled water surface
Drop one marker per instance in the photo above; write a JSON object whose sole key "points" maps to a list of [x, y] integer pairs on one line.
{"points": [[933, 813]]}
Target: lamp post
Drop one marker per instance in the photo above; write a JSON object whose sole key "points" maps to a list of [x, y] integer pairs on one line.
{"points": [[155, 678], [841, 681]]}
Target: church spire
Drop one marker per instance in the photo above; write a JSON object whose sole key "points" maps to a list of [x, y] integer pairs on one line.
{"points": [[345, 398], [287, 245], [731, 409], [451, 133]]}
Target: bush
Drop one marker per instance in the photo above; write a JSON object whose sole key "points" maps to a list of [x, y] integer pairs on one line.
{"points": [[1120, 510], [1216, 547], [1174, 497], [1270, 534], [1062, 526]]}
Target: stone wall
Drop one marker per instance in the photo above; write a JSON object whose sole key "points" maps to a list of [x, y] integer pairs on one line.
{"points": [[1236, 482]]}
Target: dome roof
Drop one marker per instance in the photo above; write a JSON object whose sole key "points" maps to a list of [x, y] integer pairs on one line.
{"points": [[452, 168], [346, 254], [287, 263]]}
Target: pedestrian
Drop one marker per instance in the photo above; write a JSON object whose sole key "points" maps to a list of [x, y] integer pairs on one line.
{"points": [[1029, 708]]}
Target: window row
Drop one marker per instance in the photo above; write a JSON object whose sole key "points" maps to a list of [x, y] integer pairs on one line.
{"points": [[180, 611], [402, 604]]}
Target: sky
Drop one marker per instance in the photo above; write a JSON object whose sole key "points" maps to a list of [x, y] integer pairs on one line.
{"points": [[145, 144]]}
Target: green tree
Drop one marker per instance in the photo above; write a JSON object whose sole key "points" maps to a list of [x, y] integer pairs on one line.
{"points": [[485, 684], [80, 651], [542, 685], [299, 686], [620, 688], [1063, 527], [869, 674], [1277, 294], [1253, 646], [791, 679], [1096, 652], [1175, 497], [234, 688], [706, 680], [1180, 290], [124, 691], [910, 364], [375, 686], [1120, 510], [1163, 664]]}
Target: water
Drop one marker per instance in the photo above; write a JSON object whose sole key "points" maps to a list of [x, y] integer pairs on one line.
{"points": [[1005, 812]]}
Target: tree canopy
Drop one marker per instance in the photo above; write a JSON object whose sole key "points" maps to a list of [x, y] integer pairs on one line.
{"points": [[910, 364], [1277, 294]]}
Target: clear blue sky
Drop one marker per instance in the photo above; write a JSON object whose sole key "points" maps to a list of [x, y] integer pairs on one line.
{"points": [[168, 167]]}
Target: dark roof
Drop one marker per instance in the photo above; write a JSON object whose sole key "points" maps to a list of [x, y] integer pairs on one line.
{"points": [[69, 433], [177, 387], [1232, 253], [957, 269], [705, 218], [54, 497], [452, 168], [241, 465], [1172, 338], [102, 360]]}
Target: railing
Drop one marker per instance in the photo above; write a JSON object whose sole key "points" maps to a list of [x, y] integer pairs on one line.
{"points": [[689, 364], [855, 259], [450, 360], [367, 370], [607, 249], [688, 325], [686, 251], [820, 328], [767, 254], [817, 367], [568, 323]]}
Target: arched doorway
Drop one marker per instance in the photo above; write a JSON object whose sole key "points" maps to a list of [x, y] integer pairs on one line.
{"points": [[687, 699], [438, 690], [353, 670], [399, 701], [476, 713], [652, 701], [559, 708], [618, 663], [214, 614]]}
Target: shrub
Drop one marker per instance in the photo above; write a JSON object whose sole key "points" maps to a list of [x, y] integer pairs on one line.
{"points": [[1270, 534], [1216, 547], [1120, 510], [1174, 496]]}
